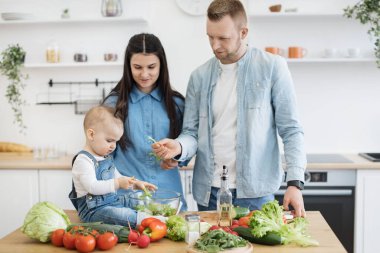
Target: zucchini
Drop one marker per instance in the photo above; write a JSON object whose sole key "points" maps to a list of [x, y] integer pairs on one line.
{"points": [[268, 239], [120, 231], [238, 212]]}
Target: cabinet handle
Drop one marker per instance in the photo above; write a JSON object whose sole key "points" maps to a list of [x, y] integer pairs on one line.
{"points": [[189, 190]]}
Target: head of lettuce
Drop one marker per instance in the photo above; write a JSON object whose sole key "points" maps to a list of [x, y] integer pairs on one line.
{"points": [[42, 219]]}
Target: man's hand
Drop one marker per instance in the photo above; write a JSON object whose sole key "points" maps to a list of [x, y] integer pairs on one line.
{"points": [[293, 196], [168, 164], [166, 148]]}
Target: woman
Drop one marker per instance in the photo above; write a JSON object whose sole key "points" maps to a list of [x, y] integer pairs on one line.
{"points": [[149, 107]]}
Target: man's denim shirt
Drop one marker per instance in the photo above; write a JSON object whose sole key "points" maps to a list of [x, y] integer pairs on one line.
{"points": [[266, 105]]}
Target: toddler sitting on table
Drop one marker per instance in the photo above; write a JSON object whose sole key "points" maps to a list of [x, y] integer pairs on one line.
{"points": [[96, 180]]}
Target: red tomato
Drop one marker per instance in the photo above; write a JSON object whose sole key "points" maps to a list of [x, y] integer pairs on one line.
{"points": [[95, 233], [106, 241], [85, 243], [234, 226], [57, 237], [214, 227], [235, 222], [244, 221], [69, 240]]}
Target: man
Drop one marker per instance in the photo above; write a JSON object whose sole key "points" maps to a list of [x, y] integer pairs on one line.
{"points": [[235, 104]]}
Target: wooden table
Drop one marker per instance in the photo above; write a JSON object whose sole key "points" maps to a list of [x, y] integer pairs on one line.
{"points": [[17, 242]]}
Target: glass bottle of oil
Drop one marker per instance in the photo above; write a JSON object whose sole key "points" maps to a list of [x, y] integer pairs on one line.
{"points": [[224, 201]]}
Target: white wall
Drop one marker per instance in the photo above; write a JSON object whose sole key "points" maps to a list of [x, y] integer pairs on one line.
{"points": [[338, 102]]}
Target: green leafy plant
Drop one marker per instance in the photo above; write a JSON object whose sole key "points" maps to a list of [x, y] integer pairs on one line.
{"points": [[10, 66], [368, 12]]}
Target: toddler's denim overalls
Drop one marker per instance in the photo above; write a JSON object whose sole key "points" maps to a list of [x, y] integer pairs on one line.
{"points": [[111, 208]]}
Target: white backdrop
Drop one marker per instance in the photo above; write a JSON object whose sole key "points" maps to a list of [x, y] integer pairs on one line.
{"points": [[338, 102]]}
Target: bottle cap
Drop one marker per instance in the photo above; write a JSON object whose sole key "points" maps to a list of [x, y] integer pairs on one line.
{"points": [[192, 217], [225, 173]]}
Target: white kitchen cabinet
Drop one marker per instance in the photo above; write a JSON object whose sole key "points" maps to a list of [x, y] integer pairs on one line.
{"points": [[187, 184], [55, 186], [19, 192], [367, 222]]}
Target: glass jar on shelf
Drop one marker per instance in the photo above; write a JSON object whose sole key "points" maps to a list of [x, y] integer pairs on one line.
{"points": [[111, 8], [52, 52]]}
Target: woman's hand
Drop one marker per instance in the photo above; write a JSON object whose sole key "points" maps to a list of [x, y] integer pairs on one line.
{"points": [[168, 164]]}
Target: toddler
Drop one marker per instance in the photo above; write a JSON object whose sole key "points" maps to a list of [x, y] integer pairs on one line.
{"points": [[96, 181]]}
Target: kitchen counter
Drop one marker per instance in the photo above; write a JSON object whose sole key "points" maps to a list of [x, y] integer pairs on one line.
{"points": [[22, 162], [17, 242]]}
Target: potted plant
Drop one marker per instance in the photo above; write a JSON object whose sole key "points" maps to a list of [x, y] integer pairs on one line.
{"points": [[368, 12], [10, 66]]}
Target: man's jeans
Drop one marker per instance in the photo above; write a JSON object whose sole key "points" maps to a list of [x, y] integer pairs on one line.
{"points": [[251, 203]]}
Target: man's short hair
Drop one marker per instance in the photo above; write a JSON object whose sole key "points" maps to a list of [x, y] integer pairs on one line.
{"points": [[221, 8], [100, 114]]}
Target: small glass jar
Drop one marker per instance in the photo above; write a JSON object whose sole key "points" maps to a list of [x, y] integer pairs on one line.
{"points": [[52, 52], [111, 8], [193, 228]]}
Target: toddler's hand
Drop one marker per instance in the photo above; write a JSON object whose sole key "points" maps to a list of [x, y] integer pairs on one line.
{"points": [[126, 182], [145, 185]]}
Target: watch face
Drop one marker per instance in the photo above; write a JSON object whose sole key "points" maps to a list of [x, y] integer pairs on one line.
{"points": [[194, 7]]}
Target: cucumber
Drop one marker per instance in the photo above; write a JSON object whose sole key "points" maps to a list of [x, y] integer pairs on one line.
{"points": [[268, 239], [238, 212]]}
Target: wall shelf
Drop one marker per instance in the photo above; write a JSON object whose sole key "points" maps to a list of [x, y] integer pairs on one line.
{"points": [[73, 64], [134, 20], [294, 15], [330, 60]]}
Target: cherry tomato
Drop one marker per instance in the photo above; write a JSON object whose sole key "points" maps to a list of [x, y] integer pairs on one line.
{"points": [[214, 227], [244, 221], [95, 233], [106, 241], [85, 243], [57, 237], [234, 226], [69, 240]]}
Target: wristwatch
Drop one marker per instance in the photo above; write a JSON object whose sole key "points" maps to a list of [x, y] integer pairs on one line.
{"points": [[296, 183]]}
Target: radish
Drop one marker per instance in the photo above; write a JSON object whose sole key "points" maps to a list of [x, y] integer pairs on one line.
{"points": [[133, 236], [143, 241]]}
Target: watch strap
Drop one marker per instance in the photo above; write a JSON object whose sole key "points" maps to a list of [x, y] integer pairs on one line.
{"points": [[297, 183]]}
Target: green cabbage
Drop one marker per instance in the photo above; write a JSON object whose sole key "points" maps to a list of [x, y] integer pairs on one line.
{"points": [[42, 219]]}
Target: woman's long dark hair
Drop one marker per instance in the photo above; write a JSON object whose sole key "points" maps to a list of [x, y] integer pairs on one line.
{"points": [[146, 44]]}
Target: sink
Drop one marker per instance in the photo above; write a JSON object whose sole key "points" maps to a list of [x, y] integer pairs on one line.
{"points": [[374, 157]]}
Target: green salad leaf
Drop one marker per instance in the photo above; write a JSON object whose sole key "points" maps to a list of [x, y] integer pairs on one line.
{"points": [[219, 240], [150, 138], [270, 219], [177, 227]]}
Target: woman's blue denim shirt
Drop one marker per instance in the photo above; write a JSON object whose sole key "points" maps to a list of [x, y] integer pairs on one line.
{"points": [[266, 105], [147, 116]]}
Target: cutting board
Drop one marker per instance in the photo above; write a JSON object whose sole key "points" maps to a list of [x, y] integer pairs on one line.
{"points": [[246, 249], [15, 155]]}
